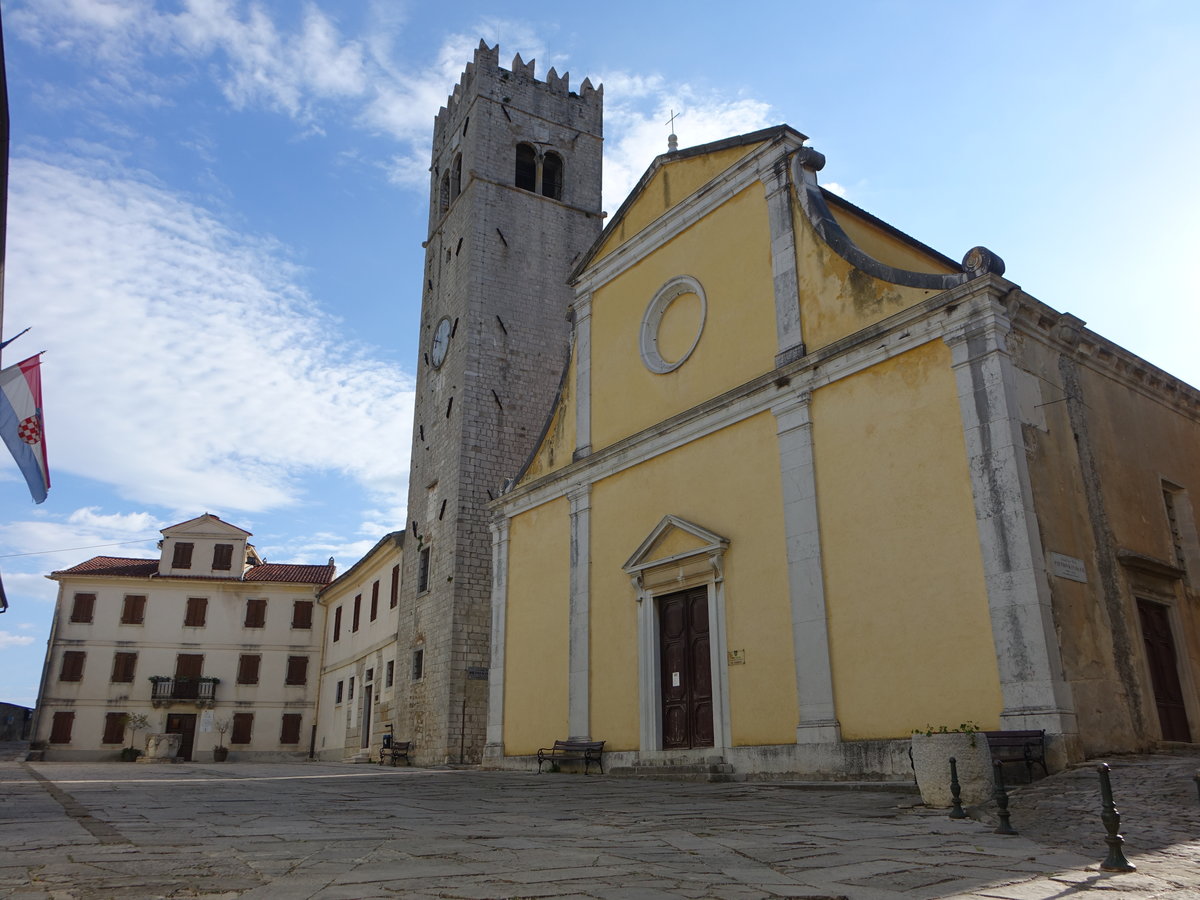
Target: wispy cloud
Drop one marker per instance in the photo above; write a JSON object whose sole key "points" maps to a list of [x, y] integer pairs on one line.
{"points": [[188, 367], [8, 639], [315, 74]]}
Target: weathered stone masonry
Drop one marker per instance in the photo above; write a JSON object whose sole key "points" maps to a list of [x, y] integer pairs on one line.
{"points": [[496, 264]]}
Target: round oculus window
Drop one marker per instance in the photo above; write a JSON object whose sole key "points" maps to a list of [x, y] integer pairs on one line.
{"points": [[672, 325]]}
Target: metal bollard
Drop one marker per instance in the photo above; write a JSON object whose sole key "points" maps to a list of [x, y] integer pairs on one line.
{"points": [[1115, 861], [956, 810], [1005, 827], [1196, 778]]}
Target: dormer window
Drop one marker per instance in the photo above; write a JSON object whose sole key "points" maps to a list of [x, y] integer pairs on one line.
{"points": [[222, 557], [183, 556]]}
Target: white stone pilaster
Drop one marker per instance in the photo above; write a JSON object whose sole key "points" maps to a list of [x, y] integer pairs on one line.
{"points": [[810, 632], [495, 717], [774, 176], [578, 706], [1027, 653], [583, 375]]}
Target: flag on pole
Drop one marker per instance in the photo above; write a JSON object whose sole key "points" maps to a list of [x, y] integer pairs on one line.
{"points": [[22, 425]]}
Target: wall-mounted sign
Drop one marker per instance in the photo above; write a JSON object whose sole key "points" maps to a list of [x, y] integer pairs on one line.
{"points": [[206, 720], [1068, 567], [477, 673], [737, 657]]}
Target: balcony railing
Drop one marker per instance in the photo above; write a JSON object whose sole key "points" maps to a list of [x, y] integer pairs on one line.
{"points": [[166, 688]]}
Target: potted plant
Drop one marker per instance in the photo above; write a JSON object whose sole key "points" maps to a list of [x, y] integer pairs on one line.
{"points": [[932, 749], [134, 722], [221, 752]]}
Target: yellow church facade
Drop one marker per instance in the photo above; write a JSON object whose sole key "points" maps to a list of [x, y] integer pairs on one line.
{"points": [[808, 485]]}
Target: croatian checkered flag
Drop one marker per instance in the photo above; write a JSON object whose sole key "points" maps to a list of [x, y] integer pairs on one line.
{"points": [[22, 425]]}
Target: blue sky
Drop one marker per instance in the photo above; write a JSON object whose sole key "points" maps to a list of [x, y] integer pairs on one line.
{"points": [[216, 211]]}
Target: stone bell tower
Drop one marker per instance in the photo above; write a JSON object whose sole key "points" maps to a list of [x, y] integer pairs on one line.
{"points": [[514, 203]]}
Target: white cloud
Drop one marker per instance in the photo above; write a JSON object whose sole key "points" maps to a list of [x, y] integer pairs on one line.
{"points": [[7, 639], [834, 188], [636, 128], [184, 365]]}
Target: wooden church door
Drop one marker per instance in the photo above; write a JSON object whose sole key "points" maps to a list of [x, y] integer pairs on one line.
{"points": [[1164, 671], [686, 675]]}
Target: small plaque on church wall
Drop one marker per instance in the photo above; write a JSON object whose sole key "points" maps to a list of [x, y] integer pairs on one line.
{"points": [[477, 673], [1068, 567], [737, 657]]}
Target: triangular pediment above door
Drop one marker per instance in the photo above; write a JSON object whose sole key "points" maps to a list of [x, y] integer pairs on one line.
{"points": [[671, 540]]}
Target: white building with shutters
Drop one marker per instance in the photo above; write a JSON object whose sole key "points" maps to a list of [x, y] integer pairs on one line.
{"points": [[360, 674], [206, 634]]}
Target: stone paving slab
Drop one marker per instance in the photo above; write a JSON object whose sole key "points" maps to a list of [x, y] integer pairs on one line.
{"points": [[330, 831]]}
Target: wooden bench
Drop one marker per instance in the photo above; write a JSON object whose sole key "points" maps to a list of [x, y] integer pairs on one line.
{"points": [[396, 752], [1028, 747], [586, 752]]}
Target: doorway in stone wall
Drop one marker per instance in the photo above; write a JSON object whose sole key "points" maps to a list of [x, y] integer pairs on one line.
{"points": [[366, 717], [1161, 658], [686, 673]]}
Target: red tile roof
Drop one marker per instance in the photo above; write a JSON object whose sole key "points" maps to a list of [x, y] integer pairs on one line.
{"points": [[292, 574], [113, 565], [279, 573]]}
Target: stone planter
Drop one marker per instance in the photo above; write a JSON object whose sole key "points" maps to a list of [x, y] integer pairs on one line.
{"points": [[220, 754], [931, 759]]}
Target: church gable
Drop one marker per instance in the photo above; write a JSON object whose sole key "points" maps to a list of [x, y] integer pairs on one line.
{"points": [[671, 178]]}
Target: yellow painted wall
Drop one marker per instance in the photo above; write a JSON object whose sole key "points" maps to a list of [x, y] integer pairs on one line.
{"points": [[728, 252], [673, 182], [729, 483], [836, 299], [910, 633], [886, 247], [558, 444], [535, 655]]}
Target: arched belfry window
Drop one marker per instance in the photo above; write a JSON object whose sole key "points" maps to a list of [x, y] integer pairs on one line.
{"points": [[552, 172], [444, 193], [540, 173], [527, 165], [456, 178]]}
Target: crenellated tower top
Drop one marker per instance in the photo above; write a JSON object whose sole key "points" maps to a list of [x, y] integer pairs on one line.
{"points": [[516, 86]]}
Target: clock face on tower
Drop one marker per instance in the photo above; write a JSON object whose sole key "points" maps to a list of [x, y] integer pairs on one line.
{"points": [[440, 343]]}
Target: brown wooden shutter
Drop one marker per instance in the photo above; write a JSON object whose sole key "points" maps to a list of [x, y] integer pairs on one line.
{"points": [[222, 557], [394, 594], [72, 665], [189, 665], [297, 670], [183, 557], [289, 732], [60, 730], [83, 608], [256, 612], [197, 612], [114, 728], [374, 600], [124, 665], [357, 610], [337, 623], [248, 668], [302, 611], [243, 725], [134, 610]]}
